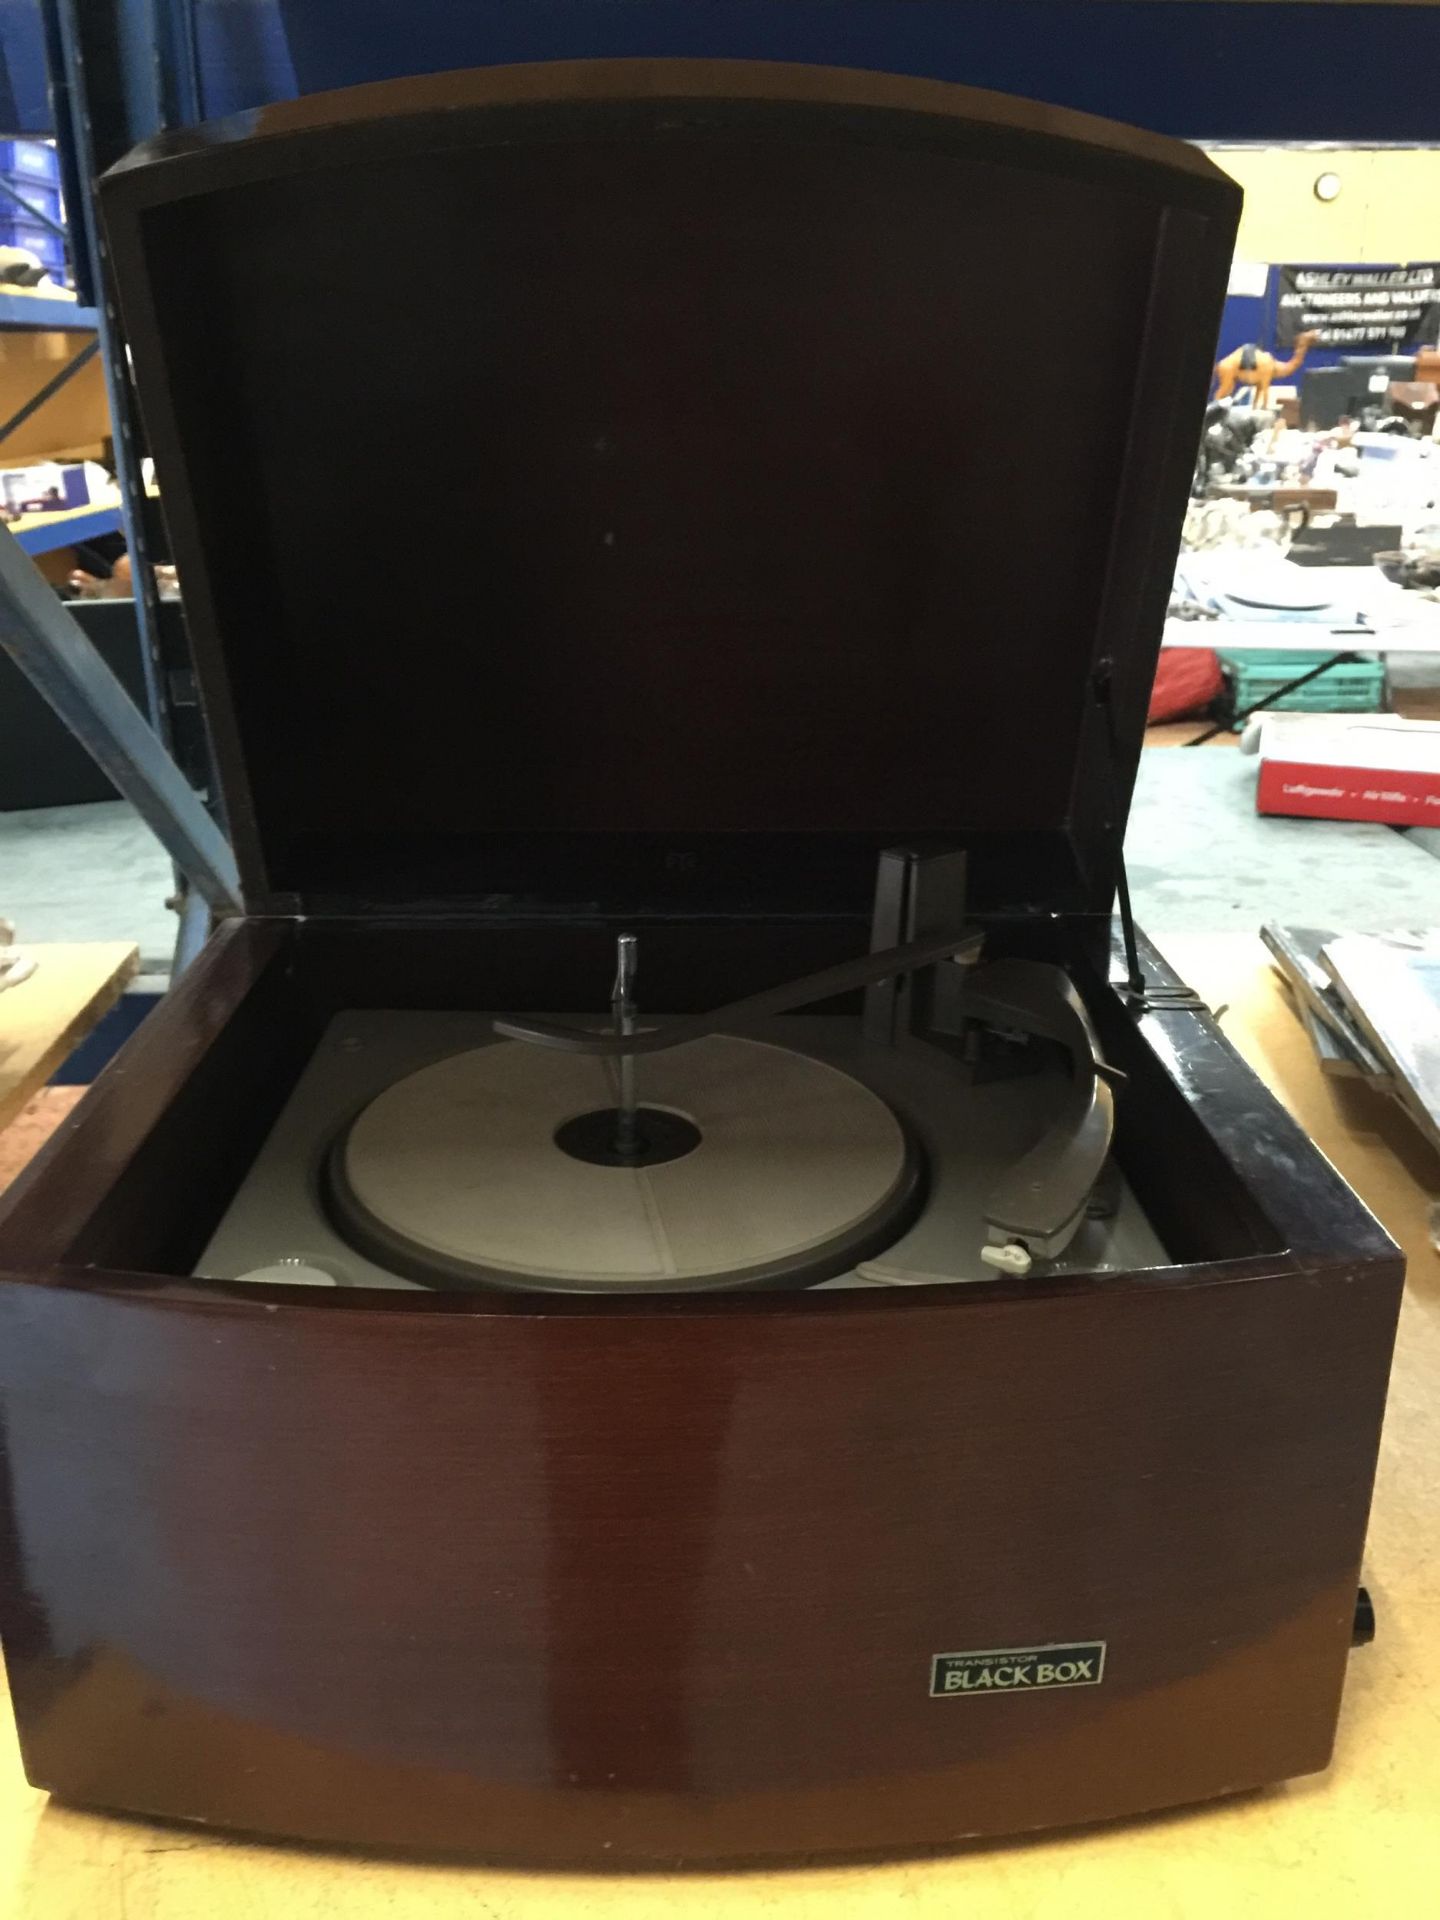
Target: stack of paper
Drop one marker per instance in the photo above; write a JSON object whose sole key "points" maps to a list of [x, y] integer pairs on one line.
{"points": [[1371, 1004]]}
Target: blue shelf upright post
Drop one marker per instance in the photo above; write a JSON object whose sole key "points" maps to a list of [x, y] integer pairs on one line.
{"points": [[75, 126]]}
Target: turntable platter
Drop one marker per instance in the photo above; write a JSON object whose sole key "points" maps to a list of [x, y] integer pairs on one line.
{"points": [[761, 1165]]}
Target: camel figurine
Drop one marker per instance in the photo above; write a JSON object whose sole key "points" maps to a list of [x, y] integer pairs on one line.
{"points": [[1251, 366]]}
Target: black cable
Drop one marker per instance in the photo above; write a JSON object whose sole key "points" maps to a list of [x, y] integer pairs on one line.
{"points": [[1135, 978], [1237, 721]]}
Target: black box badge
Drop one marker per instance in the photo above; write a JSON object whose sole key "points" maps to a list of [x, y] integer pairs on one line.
{"points": [[1077, 1663]]}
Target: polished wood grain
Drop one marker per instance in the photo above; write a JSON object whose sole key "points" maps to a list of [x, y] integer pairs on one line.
{"points": [[375, 107], [569, 1581], [1307, 1846], [643, 1581], [727, 520], [669, 1584]]}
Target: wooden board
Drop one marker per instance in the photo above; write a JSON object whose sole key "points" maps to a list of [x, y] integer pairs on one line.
{"points": [[47, 1016], [1361, 1131], [1361, 1839], [75, 422], [23, 1138]]}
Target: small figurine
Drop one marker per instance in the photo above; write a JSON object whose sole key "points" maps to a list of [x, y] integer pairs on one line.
{"points": [[1252, 366]]}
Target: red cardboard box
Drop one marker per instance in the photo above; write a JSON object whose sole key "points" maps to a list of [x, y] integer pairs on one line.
{"points": [[1361, 766]]}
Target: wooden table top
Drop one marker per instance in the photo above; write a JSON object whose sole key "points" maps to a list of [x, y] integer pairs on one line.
{"points": [[1363, 1839], [47, 1016]]}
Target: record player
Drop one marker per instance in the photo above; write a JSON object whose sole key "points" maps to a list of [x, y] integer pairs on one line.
{"points": [[672, 1290]]}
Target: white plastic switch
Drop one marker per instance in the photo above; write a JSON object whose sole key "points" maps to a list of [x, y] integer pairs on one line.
{"points": [[1013, 1257]]}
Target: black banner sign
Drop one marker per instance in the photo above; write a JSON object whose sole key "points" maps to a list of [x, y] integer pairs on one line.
{"points": [[1360, 309]]}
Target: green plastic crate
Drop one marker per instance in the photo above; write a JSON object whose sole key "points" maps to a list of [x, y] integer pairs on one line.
{"points": [[1254, 673]]}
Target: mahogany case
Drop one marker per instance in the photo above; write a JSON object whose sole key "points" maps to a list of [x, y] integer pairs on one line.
{"points": [[722, 547]]}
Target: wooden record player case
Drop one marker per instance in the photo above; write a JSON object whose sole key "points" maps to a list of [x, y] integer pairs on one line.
{"points": [[602, 499]]}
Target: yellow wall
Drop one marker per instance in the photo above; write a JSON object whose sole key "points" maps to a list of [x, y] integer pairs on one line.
{"points": [[1388, 210]]}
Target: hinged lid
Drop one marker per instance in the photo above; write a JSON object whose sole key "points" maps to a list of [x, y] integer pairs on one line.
{"points": [[654, 485]]}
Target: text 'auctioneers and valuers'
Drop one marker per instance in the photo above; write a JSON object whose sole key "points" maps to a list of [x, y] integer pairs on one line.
{"points": [[1387, 309]]}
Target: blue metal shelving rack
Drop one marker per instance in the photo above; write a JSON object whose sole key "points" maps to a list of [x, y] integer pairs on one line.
{"points": [[35, 628], [21, 312], [54, 316], [84, 524]]}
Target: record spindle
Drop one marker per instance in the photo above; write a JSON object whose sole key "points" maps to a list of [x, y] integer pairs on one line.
{"points": [[622, 1006]]}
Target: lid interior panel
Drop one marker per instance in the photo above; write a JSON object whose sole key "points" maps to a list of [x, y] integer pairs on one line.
{"points": [[606, 487]]}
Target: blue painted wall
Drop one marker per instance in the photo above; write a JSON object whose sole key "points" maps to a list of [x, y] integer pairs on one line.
{"points": [[1247, 319], [1202, 70], [1211, 69]]}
